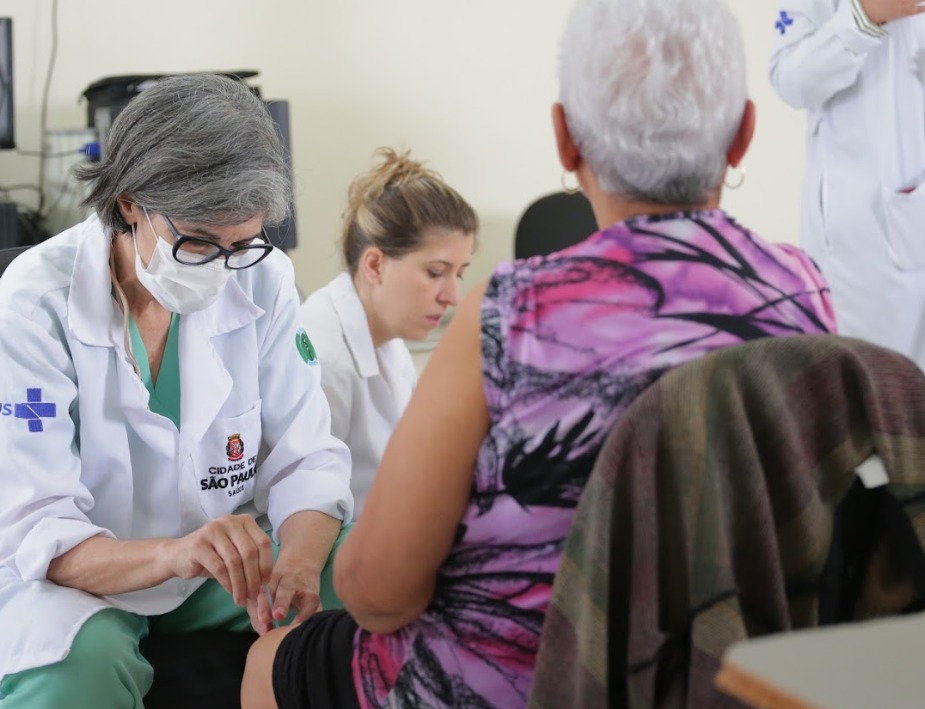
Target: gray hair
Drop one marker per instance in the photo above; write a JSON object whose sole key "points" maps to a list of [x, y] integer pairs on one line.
{"points": [[654, 93], [200, 148]]}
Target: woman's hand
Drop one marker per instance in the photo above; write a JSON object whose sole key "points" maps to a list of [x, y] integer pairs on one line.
{"points": [[880, 11], [296, 587], [233, 550], [290, 587], [306, 539], [260, 611]]}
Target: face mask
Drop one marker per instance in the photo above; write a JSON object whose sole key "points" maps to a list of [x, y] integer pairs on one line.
{"points": [[179, 287]]}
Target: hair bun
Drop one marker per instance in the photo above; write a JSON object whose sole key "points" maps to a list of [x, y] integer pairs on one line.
{"points": [[395, 202], [394, 170]]}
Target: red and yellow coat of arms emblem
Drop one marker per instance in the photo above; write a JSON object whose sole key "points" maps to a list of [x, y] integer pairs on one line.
{"points": [[235, 447]]}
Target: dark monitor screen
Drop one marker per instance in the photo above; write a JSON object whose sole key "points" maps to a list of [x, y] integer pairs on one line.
{"points": [[6, 83]]}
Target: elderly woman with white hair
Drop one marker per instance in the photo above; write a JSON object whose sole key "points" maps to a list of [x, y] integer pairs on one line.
{"points": [[447, 576]]}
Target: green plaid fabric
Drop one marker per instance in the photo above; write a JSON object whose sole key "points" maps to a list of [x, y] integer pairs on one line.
{"points": [[709, 516]]}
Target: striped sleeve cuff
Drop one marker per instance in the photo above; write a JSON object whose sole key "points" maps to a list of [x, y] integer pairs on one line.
{"points": [[863, 21]]}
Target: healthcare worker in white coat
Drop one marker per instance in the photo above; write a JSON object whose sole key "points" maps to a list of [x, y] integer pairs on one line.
{"points": [[162, 409], [407, 241], [858, 68]]}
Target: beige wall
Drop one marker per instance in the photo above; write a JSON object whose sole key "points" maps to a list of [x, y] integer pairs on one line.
{"points": [[465, 85]]}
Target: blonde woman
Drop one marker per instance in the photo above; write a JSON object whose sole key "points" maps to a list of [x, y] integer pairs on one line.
{"points": [[406, 243]]}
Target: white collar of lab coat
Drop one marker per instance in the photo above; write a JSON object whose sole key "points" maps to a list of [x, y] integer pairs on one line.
{"points": [[353, 320], [94, 318]]}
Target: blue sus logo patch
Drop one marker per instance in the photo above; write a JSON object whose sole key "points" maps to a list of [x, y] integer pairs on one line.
{"points": [[783, 22], [33, 410]]}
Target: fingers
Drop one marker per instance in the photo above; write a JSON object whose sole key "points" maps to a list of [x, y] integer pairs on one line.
{"points": [[292, 591], [293, 588], [264, 551], [253, 615], [234, 565], [311, 603], [242, 552], [259, 612], [282, 592], [236, 552], [205, 556]]}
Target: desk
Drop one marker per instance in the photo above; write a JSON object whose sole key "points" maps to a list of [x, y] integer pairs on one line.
{"points": [[874, 665]]}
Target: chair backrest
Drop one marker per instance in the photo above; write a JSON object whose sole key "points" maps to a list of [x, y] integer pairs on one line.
{"points": [[7, 256], [713, 514], [553, 223]]}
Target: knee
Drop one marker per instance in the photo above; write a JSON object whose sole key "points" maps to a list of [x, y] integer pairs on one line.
{"points": [[107, 633], [106, 651], [103, 664], [257, 684]]}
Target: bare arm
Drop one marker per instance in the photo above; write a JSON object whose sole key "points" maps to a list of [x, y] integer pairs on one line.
{"points": [[105, 567], [232, 549], [386, 570]]}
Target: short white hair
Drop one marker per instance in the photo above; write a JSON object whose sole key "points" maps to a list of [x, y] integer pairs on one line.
{"points": [[654, 93]]}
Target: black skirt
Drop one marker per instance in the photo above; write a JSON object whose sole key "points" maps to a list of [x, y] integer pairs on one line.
{"points": [[313, 667]]}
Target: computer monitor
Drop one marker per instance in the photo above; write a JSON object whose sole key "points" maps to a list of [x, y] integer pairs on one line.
{"points": [[283, 236], [6, 83]]}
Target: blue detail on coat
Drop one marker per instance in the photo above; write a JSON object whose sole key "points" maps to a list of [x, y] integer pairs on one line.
{"points": [[33, 410], [783, 22]]}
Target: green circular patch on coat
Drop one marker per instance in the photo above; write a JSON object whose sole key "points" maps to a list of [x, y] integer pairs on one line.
{"points": [[305, 348]]}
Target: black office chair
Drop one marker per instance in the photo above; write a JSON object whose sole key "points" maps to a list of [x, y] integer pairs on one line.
{"points": [[7, 256], [553, 223]]}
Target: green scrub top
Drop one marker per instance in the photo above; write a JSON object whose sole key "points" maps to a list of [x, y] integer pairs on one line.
{"points": [[165, 393]]}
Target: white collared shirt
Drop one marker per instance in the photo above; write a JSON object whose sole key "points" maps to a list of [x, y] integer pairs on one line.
{"points": [[367, 388]]}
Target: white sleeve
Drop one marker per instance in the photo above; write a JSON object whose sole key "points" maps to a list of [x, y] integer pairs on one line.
{"points": [[306, 468], [44, 504], [337, 380], [817, 53], [339, 377]]}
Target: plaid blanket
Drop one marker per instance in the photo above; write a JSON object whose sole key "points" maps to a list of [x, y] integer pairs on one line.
{"points": [[709, 517]]}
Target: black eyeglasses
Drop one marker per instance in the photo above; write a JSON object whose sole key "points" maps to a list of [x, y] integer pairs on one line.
{"points": [[195, 251]]}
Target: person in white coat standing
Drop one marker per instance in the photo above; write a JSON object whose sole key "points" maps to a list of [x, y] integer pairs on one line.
{"points": [[407, 241], [858, 68], [166, 409]]}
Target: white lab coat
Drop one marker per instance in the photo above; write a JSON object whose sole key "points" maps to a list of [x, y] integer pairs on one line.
{"points": [[863, 216], [367, 388], [83, 455]]}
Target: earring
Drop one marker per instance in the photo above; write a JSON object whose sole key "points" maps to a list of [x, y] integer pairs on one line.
{"points": [[738, 174], [569, 189]]}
